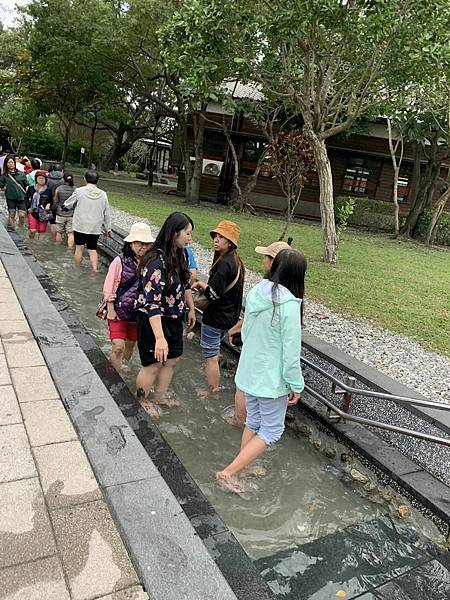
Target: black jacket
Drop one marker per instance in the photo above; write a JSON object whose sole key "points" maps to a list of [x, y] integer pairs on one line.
{"points": [[45, 198], [225, 307]]}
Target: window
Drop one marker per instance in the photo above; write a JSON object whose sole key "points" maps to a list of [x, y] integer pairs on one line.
{"points": [[361, 176], [404, 180], [213, 146], [250, 156]]}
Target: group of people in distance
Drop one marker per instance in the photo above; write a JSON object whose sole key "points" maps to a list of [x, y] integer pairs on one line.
{"points": [[150, 289], [49, 198]]}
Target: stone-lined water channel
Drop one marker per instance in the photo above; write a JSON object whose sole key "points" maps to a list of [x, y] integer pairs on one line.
{"points": [[312, 529]]}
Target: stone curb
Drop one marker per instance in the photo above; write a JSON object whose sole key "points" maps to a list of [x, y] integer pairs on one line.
{"points": [[167, 550]]}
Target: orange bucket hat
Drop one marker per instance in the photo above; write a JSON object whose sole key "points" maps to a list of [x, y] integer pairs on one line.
{"points": [[228, 230]]}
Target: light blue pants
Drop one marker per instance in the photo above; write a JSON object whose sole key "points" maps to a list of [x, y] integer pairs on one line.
{"points": [[265, 417]]}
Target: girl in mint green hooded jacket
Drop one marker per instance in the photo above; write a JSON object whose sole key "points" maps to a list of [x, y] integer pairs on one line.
{"points": [[269, 371]]}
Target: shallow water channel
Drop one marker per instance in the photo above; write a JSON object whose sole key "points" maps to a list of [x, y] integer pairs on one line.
{"points": [[304, 500]]}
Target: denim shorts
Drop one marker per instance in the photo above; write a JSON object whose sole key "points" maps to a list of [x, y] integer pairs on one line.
{"points": [[265, 417], [210, 340]]}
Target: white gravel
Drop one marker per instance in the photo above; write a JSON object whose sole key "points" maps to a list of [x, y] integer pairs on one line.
{"points": [[395, 355]]}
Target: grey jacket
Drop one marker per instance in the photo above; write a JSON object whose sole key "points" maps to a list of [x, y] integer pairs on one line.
{"points": [[91, 210]]}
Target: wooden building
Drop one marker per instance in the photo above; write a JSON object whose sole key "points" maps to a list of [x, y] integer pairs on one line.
{"points": [[361, 166]]}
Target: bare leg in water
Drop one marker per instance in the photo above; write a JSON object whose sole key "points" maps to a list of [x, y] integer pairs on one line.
{"points": [[252, 446], [158, 377]]}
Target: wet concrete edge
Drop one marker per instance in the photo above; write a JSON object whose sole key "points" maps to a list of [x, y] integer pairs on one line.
{"points": [[219, 541]]}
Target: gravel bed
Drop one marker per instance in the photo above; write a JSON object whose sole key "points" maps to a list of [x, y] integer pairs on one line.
{"points": [[393, 354]]}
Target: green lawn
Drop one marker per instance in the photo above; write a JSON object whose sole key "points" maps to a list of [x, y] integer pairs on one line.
{"points": [[401, 286]]}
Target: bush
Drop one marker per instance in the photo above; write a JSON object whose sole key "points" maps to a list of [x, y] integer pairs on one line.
{"points": [[374, 214], [42, 143], [343, 210], [442, 235]]}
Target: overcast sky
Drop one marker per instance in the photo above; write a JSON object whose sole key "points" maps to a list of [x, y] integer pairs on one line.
{"points": [[8, 11]]}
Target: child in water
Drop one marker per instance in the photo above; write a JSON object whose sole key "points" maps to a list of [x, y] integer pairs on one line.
{"points": [[269, 371]]}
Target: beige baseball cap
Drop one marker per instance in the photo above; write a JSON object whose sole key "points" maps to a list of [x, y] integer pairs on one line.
{"points": [[273, 249]]}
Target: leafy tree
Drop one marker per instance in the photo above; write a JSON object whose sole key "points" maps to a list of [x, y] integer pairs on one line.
{"points": [[63, 76]]}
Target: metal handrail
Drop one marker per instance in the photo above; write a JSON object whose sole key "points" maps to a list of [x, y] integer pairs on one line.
{"points": [[346, 417], [371, 394]]}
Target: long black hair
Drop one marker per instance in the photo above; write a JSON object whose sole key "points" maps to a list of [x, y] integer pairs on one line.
{"points": [[8, 157], [174, 258], [288, 269], [68, 179]]}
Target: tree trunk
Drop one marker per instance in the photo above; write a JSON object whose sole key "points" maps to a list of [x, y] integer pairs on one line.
{"points": [[199, 134], [91, 145], [436, 215], [323, 167], [422, 191], [120, 146], [395, 199], [67, 128]]}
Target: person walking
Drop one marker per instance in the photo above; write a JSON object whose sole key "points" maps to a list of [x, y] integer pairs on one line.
{"points": [[64, 218], [269, 371], [91, 214], [269, 253], [120, 292], [38, 202], [55, 179], [35, 167], [224, 291], [159, 318], [14, 184]]}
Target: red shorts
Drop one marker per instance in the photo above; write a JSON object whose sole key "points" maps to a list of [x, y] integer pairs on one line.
{"points": [[122, 330], [35, 225]]}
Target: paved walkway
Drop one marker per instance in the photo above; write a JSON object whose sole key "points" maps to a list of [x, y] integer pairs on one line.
{"points": [[58, 540]]}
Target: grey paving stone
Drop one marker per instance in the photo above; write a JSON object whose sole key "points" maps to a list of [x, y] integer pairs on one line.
{"points": [[66, 476], [25, 532], [47, 422], [16, 460], [39, 580], [23, 353], [172, 560], [11, 311], [5, 283], [9, 407], [2, 270], [33, 383], [7, 294], [73, 374], [134, 593], [113, 449], [5, 378], [93, 555], [15, 327], [2, 350]]}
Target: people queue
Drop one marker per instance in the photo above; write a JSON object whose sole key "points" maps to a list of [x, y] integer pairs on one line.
{"points": [[151, 287], [156, 272]]}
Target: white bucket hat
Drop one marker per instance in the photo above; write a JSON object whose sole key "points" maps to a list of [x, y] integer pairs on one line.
{"points": [[140, 232]]}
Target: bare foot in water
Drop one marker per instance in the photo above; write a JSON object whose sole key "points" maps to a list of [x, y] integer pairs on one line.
{"points": [[231, 484], [166, 399], [253, 471], [150, 408], [207, 394], [234, 421]]}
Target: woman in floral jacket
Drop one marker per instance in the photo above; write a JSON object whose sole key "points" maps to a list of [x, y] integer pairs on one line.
{"points": [[159, 318]]}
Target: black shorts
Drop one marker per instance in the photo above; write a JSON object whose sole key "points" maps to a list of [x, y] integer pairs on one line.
{"points": [[89, 240], [53, 219], [14, 205], [173, 332]]}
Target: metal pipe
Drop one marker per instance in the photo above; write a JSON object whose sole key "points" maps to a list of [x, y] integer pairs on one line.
{"points": [[372, 394], [371, 423]]}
